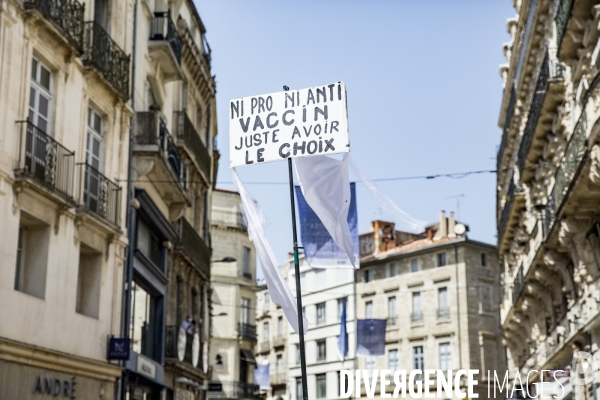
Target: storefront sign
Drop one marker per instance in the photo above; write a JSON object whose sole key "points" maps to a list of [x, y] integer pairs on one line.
{"points": [[118, 349], [146, 367], [55, 387]]}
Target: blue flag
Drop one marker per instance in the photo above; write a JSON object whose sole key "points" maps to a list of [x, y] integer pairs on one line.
{"points": [[320, 250], [370, 337], [261, 376], [343, 338]]}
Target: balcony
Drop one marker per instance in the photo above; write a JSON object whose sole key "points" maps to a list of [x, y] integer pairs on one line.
{"points": [[165, 45], [518, 285], [46, 162], [192, 246], [189, 138], [443, 313], [228, 218], [171, 348], [565, 173], [416, 317], [233, 390], [278, 379], [506, 129], [391, 321], [157, 158], [100, 196], [264, 347], [247, 332], [107, 58], [65, 15], [562, 18], [279, 341]]}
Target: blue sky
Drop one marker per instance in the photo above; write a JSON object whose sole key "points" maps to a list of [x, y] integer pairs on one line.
{"points": [[423, 89]]}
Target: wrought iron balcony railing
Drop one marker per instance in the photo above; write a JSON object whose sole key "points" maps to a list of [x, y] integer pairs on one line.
{"points": [[247, 331], [233, 390], [416, 317], [518, 285], [163, 28], [443, 313], [66, 15], [188, 133], [506, 128], [100, 195], [171, 350], [193, 246], [102, 53], [562, 18], [45, 160]]}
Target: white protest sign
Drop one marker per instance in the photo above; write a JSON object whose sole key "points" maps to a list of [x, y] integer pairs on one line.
{"points": [[296, 123]]}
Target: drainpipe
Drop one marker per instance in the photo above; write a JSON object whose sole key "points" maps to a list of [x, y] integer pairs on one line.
{"points": [[458, 307], [128, 270]]}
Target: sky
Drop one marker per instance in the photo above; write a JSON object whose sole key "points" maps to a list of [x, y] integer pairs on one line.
{"points": [[423, 89]]}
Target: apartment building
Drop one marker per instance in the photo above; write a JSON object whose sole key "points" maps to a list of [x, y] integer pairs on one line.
{"points": [[439, 293], [323, 291], [547, 189], [272, 335], [65, 86], [233, 300], [172, 175]]}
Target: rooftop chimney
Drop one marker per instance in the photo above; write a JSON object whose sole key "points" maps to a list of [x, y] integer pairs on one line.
{"points": [[451, 224], [443, 225]]}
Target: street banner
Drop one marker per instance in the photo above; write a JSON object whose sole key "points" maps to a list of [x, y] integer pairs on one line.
{"points": [[371, 338], [296, 123], [262, 377], [343, 338], [320, 250]]}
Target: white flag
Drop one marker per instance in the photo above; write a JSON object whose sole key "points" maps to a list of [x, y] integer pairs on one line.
{"points": [[279, 290], [326, 187]]}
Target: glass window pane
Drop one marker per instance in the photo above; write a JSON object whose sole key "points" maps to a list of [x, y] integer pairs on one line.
{"points": [[43, 106], [45, 78], [34, 68], [32, 94]]}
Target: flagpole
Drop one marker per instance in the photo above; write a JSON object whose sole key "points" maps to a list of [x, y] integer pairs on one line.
{"points": [[298, 289]]}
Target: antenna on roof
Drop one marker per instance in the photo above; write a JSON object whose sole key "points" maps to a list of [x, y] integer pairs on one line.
{"points": [[457, 197]]}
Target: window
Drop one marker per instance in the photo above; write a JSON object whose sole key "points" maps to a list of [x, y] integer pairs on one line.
{"points": [[392, 310], [280, 326], [32, 257], [321, 386], [299, 389], [393, 270], [303, 280], [101, 12], [88, 282], [265, 332], [144, 322], [40, 96], [279, 365], [485, 297], [198, 119], [267, 301], [393, 360], [445, 357], [414, 265], [245, 311], [246, 263], [441, 259], [321, 350], [148, 244], [369, 309], [93, 150], [418, 357], [367, 275], [320, 278], [297, 354], [194, 304], [483, 260], [321, 313], [370, 363], [443, 307], [417, 314]]}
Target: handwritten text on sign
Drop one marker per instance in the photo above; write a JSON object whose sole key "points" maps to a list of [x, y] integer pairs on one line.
{"points": [[297, 123]]}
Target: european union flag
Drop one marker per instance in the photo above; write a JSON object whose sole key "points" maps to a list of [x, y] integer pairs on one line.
{"points": [[343, 338]]}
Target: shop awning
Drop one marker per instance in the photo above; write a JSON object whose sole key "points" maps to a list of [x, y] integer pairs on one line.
{"points": [[246, 355]]}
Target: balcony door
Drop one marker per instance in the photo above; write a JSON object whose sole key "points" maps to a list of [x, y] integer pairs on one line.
{"points": [[39, 149], [93, 158]]}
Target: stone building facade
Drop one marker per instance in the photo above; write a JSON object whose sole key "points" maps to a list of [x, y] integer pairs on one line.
{"points": [[548, 189], [439, 292], [271, 347], [64, 119], [233, 301]]}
